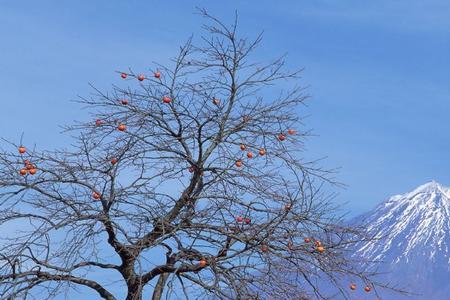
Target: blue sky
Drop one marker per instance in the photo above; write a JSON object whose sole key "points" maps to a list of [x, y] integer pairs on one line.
{"points": [[377, 72]]}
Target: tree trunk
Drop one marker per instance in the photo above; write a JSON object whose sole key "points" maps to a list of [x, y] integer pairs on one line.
{"points": [[134, 292], [159, 288]]}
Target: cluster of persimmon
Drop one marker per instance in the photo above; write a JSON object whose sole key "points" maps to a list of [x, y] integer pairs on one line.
{"points": [[366, 288], [282, 136], [120, 127], [317, 244], [262, 151], [290, 245], [243, 147], [29, 167], [141, 77], [241, 219]]}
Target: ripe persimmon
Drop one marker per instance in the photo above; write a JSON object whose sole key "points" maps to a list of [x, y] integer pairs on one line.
{"points": [[249, 154], [23, 172], [32, 171], [123, 75], [292, 131], [243, 147], [122, 127], [22, 150], [166, 99], [114, 161], [141, 77], [281, 137], [353, 286], [124, 101], [157, 74], [307, 240], [367, 288], [262, 152], [202, 263], [239, 164], [320, 249], [96, 195]]}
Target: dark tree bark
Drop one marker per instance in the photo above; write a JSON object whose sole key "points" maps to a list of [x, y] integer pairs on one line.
{"points": [[159, 288]]}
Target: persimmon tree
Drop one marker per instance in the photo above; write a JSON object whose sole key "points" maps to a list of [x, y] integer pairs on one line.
{"points": [[189, 182]]}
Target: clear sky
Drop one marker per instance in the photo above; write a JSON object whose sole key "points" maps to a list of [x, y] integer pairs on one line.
{"points": [[378, 73]]}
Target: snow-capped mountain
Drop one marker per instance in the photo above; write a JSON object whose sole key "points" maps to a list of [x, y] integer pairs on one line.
{"points": [[414, 241]]}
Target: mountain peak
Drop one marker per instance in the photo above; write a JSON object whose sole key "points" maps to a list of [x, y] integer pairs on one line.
{"points": [[413, 232], [432, 187]]}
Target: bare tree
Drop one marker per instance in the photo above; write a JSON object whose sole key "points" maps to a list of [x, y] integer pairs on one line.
{"points": [[190, 184]]}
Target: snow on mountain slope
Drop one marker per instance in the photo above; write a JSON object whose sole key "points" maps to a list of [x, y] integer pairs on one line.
{"points": [[414, 240]]}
